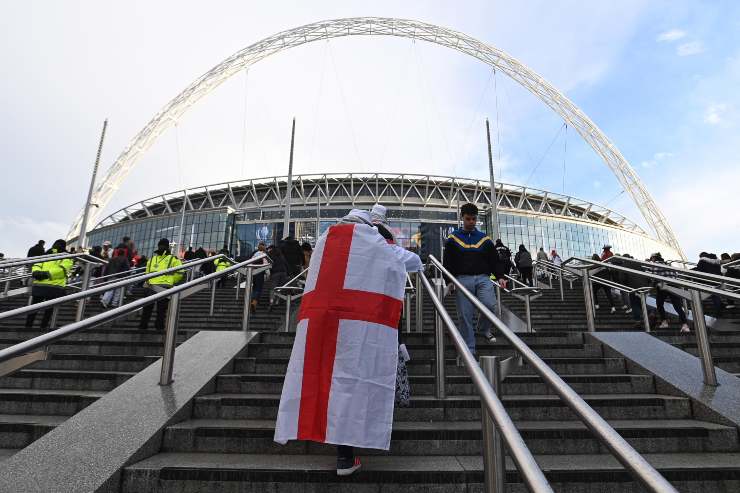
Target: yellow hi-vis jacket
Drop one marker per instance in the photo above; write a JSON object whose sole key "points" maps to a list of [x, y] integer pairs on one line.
{"points": [[57, 269], [163, 262], [221, 264]]}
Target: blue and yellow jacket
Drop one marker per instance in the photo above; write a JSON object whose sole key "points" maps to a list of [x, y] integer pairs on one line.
{"points": [[469, 253]]}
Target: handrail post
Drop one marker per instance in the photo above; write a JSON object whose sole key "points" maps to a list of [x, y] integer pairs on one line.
{"points": [[238, 282], [213, 295], [499, 301], [529, 312], [588, 300], [407, 312], [643, 307], [288, 299], [494, 467], [702, 340], [439, 346], [168, 359], [247, 299], [419, 303], [562, 294], [83, 287]]}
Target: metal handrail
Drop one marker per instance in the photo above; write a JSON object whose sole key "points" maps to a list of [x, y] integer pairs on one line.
{"points": [[289, 293], [663, 279], [686, 289], [98, 290], [529, 469], [84, 257], [692, 274], [623, 451], [48, 338]]}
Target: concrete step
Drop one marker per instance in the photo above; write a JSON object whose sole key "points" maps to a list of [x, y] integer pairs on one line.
{"points": [[259, 383], [102, 347], [456, 437], [95, 362], [57, 402], [65, 379], [466, 408], [18, 431], [581, 473], [426, 366], [273, 350]]}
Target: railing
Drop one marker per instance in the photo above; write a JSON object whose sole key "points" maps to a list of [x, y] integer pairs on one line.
{"points": [[690, 290], [522, 292], [408, 293], [21, 264], [20, 352], [497, 426], [550, 270], [290, 291], [627, 456]]}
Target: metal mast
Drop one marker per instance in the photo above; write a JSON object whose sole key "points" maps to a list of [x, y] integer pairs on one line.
{"points": [[82, 238], [494, 204], [289, 191]]}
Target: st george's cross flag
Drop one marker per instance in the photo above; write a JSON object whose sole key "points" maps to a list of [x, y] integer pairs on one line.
{"points": [[341, 378]]}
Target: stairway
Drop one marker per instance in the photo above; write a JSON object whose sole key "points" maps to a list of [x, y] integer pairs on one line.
{"points": [[226, 444], [85, 366]]}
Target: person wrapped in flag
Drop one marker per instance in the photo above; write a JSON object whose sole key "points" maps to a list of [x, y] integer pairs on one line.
{"points": [[340, 384]]}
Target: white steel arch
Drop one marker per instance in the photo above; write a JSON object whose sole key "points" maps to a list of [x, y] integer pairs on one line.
{"points": [[380, 26]]}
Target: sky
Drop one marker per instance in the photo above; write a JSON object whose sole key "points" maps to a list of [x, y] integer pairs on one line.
{"points": [[660, 78]]}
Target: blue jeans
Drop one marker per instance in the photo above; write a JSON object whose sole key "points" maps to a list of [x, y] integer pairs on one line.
{"points": [[482, 288]]}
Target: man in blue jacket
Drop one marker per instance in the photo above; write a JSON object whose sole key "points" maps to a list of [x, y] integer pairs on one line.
{"points": [[470, 256]]}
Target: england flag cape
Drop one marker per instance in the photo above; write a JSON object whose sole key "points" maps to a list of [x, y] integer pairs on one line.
{"points": [[341, 378]]}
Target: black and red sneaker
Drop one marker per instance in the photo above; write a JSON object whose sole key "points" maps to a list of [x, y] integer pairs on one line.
{"points": [[347, 467]]}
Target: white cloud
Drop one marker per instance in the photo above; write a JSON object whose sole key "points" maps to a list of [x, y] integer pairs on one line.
{"points": [[20, 233], [657, 158], [707, 224], [714, 114], [670, 36], [690, 48]]}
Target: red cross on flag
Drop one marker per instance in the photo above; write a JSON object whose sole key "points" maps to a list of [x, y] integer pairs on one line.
{"points": [[341, 378]]}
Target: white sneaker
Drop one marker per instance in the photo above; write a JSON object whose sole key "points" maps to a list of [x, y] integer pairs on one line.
{"points": [[491, 338], [105, 305], [685, 329], [625, 308], [730, 307], [628, 310], [346, 471], [614, 310], [663, 324], [596, 307]]}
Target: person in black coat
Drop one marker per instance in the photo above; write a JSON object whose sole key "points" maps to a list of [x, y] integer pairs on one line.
{"points": [[293, 255], [37, 250], [503, 262], [523, 261], [278, 272]]}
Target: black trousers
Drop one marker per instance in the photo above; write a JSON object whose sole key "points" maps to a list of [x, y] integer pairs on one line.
{"points": [[345, 452], [660, 298], [526, 273], [607, 292], [146, 313], [43, 293]]}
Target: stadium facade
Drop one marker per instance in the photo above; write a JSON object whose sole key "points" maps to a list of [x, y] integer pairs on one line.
{"points": [[422, 210]]}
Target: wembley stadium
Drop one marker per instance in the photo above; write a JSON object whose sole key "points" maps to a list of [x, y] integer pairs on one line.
{"points": [[421, 209]]}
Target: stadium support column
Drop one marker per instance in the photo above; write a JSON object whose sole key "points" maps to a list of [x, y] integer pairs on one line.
{"points": [[82, 237], [494, 203], [289, 191]]}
